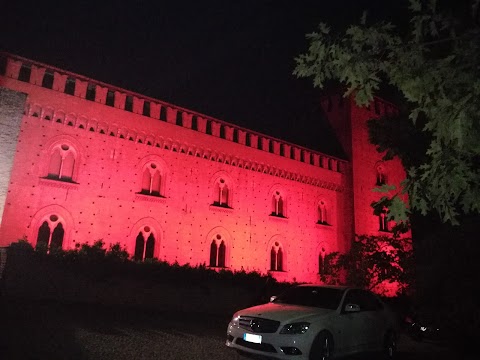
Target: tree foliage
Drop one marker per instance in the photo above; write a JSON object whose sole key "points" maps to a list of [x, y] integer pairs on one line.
{"points": [[435, 67], [373, 262]]}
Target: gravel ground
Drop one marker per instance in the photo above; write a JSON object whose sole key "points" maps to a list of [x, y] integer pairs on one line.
{"points": [[44, 330]]}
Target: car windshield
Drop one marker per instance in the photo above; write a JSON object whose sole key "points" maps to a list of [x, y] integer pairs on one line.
{"points": [[314, 296]]}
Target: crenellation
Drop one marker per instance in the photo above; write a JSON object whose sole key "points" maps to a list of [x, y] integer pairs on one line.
{"points": [[202, 124], [36, 75], [171, 115], [229, 130], [276, 147], [187, 120], [101, 94], [265, 144], [324, 162], [138, 105], [80, 88], [287, 150], [59, 81], [119, 100], [13, 68], [296, 153], [105, 94], [307, 157], [242, 137], [155, 110], [215, 128], [253, 140]]}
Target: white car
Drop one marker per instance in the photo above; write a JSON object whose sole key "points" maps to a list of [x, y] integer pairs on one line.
{"points": [[318, 322]]}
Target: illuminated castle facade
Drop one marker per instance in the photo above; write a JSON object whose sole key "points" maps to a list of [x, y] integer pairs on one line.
{"points": [[83, 160]]}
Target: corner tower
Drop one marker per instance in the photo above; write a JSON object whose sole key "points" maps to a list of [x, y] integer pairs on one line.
{"points": [[367, 169]]}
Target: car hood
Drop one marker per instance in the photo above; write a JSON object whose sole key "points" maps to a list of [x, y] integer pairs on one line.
{"points": [[282, 312]]}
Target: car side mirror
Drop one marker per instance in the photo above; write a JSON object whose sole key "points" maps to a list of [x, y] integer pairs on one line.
{"points": [[352, 308], [273, 298]]}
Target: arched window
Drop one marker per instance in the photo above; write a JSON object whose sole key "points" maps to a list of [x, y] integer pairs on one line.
{"points": [[278, 204], [221, 193], [380, 175], [323, 263], [51, 233], [217, 252], [62, 163], [151, 180], [276, 257], [383, 220], [144, 249], [322, 213]]}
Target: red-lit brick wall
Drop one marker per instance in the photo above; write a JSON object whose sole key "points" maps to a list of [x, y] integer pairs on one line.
{"points": [[103, 202]]}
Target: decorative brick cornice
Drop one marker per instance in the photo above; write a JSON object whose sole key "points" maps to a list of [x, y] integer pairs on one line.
{"points": [[58, 184], [38, 111], [150, 198], [221, 209]]}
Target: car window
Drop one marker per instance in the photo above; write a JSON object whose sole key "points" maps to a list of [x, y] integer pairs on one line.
{"points": [[366, 300], [322, 297]]}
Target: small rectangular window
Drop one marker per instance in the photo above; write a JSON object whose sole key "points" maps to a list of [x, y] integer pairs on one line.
{"points": [[129, 103], [47, 81], [70, 86], [179, 120], [25, 72], [163, 113], [110, 101], [146, 108], [90, 95]]}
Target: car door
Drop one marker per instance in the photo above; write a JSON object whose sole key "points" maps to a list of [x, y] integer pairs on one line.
{"points": [[352, 326], [375, 317]]}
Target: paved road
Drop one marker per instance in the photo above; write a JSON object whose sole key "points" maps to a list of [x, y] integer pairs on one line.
{"points": [[50, 331]]}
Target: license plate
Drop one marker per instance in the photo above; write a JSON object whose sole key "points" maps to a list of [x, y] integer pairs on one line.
{"points": [[257, 339]]}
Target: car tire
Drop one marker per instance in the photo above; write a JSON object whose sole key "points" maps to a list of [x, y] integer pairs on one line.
{"points": [[390, 345], [322, 347]]}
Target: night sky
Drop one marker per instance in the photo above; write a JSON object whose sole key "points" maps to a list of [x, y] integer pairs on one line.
{"points": [[232, 60]]}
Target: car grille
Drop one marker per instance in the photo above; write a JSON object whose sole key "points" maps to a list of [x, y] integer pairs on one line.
{"points": [[259, 347], [258, 325]]}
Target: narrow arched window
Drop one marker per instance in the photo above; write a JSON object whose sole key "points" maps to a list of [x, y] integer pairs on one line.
{"points": [[380, 175], [276, 257], [322, 213], [150, 247], [57, 237], [51, 233], [383, 220], [213, 254], [321, 262], [62, 163], [221, 193], [139, 245], [217, 252], [144, 249], [151, 180], [278, 204]]}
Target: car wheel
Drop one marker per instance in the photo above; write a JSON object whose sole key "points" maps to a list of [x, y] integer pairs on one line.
{"points": [[322, 347], [390, 346]]}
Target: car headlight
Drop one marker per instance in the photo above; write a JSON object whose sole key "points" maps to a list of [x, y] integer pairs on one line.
{"points": [[295, 328], [234, 321]]}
